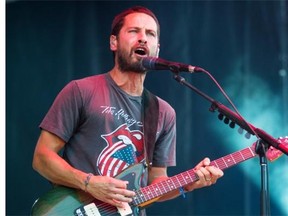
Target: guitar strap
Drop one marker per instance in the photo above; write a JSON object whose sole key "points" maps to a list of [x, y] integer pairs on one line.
{"points": [[150, 114]]}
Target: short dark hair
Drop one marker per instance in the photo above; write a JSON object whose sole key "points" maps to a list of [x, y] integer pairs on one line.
{"points": [[118, 21]]}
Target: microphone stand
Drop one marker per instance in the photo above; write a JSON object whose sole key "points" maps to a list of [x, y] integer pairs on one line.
{"points": [[235, 118], [261, 149], [265, 140]]}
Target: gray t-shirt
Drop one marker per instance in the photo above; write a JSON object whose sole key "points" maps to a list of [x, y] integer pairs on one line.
{"points": [[103, 127]]}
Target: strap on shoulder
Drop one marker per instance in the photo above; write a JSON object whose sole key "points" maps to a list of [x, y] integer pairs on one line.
{"points": [[150, 115]]}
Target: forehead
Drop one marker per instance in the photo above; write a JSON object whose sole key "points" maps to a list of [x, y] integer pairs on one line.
{"points": [[140, 20]]}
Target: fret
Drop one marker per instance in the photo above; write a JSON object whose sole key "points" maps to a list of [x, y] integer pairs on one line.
{"points": [[224, 162], [214, 163], [170, 185], [218, 161], [148, 194], [185, 177], [162, 186], [173, 183], [237, 156], [233, 158], [229, 160], [156, 190], [252, 152], [139, 197], [248, 152], [182, 181], [241, 155], [193, 176]]}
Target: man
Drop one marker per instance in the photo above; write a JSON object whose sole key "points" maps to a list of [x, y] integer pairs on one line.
{"points": [[100, 123]]}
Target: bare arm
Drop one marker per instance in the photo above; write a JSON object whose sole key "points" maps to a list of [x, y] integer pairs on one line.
{"points": [[50, 165], [208, 175]]}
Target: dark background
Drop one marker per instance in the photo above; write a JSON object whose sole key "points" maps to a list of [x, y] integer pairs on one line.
{"points": [[242, 43]]}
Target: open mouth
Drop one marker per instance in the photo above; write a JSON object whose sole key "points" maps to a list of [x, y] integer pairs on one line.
{"points": [[141, 51]]}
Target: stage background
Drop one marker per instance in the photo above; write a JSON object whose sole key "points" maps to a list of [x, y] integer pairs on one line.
{"points": [[243, 44]]}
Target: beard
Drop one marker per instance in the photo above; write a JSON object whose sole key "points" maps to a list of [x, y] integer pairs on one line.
{"points": [[125, 64]]}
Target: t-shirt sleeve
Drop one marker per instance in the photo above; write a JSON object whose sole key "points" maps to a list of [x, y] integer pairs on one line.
{"points": [[165, 146], [63, 116]]}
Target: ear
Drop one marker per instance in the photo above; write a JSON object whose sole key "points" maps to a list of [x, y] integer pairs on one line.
{"points": [[113, 42], [158, 50]]}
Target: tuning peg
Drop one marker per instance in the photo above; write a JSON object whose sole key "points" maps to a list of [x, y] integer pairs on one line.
{"points": [[220, 116], [248, 135], [226, 120], [232, 124], [240, 130]]}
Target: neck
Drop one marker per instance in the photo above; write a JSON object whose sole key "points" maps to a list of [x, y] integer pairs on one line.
{"points": [[130, 82]]}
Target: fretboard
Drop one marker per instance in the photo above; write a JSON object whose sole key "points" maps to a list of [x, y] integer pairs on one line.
{"points": [[155, 190]]}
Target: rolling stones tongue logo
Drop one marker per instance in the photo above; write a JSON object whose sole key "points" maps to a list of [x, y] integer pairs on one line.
{"points": [[124, 148]]}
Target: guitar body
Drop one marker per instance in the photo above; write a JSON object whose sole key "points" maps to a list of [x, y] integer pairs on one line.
{"points": [[68, 201]]}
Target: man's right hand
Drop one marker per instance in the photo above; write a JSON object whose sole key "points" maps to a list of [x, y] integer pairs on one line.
{"points": [[110, 190]]}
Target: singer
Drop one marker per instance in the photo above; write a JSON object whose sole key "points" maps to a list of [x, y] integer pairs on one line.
{"points": [[101, 124]]}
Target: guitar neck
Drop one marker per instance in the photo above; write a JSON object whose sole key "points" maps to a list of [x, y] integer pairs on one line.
{"points": [[158, 189]]}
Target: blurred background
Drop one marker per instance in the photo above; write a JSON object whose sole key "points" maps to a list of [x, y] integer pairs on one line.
{"points": [[243, 44]]}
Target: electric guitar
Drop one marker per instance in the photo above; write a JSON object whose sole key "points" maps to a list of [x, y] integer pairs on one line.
{"points": [[66, 201]]}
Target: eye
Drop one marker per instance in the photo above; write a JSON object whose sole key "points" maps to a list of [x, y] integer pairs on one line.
{"points": [[133, 31], [152, 33]]}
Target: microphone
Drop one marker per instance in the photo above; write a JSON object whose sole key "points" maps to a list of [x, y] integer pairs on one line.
{"points": [[153, 63]]}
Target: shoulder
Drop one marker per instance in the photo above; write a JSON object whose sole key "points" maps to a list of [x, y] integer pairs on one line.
{"points": [[84, 87], [164, 105], [166, 111], [90, 80], [87, 84]]}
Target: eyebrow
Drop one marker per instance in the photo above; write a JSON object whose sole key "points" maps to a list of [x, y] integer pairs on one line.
{"points": [[138, 28]]}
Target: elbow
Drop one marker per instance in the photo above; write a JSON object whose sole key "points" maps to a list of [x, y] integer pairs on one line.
{"points": [[36, 162]]}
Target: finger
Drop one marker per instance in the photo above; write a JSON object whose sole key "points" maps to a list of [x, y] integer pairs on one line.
{"points": [[206, 162], [124, 192], [114, 203], [203, 163], [203, 174], [120, 198], [128, 193], [215, 172], [213, 180], [119, 183]]}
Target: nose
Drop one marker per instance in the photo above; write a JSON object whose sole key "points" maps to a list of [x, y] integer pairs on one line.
{"points": [[142, 42], [142, 37]]}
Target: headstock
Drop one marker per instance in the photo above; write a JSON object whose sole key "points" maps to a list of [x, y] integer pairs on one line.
{"points": [[273, 153]]}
